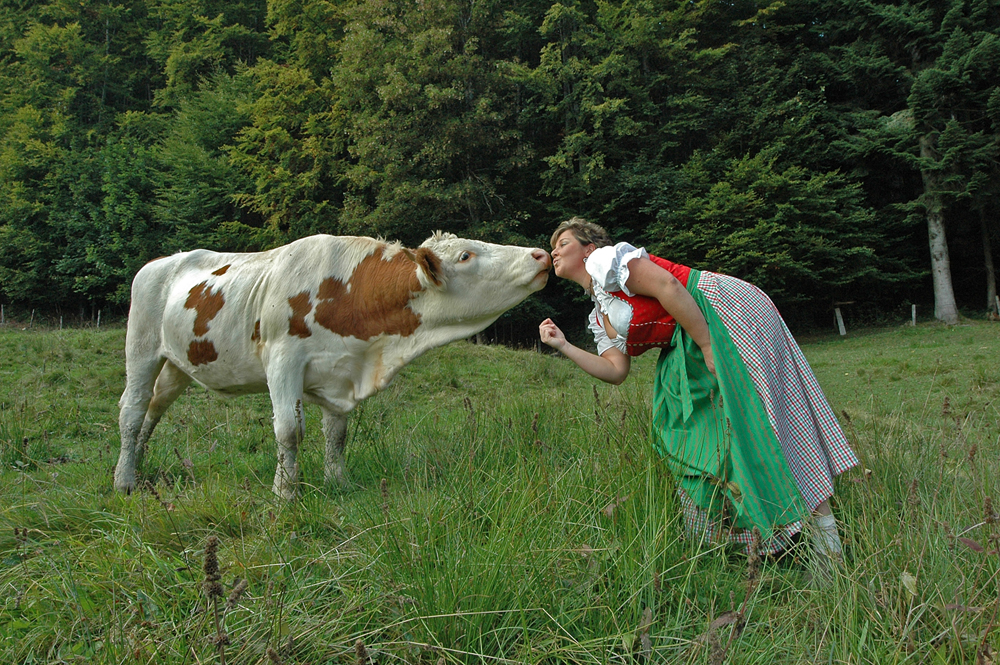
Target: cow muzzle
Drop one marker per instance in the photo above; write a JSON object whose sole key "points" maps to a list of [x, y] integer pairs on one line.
{"points": [[544, 262]]}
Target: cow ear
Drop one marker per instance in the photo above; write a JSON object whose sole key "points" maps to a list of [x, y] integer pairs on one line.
{"points": [[431, 264]]}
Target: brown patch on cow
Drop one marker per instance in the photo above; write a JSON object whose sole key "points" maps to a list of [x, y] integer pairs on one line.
{"points": [[301, 306], [202, 352], [206, 303], [255, 337], [222, 270], [374, 301]]}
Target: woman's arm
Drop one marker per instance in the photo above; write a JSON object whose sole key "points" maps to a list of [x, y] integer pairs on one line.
{"points": [[648, 279], [612, 366]]}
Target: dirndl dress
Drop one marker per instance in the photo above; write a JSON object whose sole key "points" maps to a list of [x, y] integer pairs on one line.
{"points": [[754, 446]]}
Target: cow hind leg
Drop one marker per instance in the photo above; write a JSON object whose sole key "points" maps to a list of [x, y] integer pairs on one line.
{"points": [[141, 373], [170, 383], [335, 433]]}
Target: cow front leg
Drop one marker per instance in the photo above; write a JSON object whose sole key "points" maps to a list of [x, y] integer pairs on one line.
{"points": [[335, 432]]}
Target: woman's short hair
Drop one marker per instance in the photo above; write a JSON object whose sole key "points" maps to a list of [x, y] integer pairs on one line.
{"points": [[586, 232]]}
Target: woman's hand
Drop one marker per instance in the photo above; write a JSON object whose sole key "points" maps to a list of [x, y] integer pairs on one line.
{"points": [[709, 358], [612, 366], [551, 335]]}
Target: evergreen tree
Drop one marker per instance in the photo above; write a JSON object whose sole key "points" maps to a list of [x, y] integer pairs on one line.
{"points": [[622, 90], [807, 238], [432, 124], [196, 39], [293, 153], [921, 53], [196, 186], [768, 196]]}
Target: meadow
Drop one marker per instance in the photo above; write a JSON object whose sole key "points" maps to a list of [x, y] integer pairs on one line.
{"points": [[504, 508]]}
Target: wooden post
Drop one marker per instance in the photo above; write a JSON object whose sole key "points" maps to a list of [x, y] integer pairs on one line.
{"points": [[31, 323], [840, 321], [98, 318], [913, 315], [60, 323]]}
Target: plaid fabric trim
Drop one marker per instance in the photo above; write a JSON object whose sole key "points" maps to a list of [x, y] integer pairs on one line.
{"points": [[811, 439], [810, 436], [698, 525]]}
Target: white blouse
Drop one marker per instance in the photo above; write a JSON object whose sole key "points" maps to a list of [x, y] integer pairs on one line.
{"points": [[608, 269]]}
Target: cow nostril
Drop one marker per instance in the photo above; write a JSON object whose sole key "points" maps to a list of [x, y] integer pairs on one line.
{"points": [[541, 255]]}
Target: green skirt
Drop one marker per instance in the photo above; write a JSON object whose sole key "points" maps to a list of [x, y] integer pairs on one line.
{"points": [[714, 434]]}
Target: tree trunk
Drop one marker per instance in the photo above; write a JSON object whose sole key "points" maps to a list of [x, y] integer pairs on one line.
{"points": [[991, 274], [945, 308]]}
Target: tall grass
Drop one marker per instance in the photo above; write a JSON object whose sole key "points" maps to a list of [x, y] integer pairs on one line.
{"points": [[504, 508]]}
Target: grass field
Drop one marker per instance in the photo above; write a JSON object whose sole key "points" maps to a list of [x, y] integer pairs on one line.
{"points": [[504, 509]]}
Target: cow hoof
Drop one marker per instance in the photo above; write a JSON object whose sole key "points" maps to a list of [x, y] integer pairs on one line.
{"points": [[124, 486], [337, 481], [284, 492]]}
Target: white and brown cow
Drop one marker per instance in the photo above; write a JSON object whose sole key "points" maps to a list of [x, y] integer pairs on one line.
{"points": [[325, 320]]}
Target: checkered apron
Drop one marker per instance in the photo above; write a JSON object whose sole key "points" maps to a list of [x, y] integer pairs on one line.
{"points": [[813, 444]]}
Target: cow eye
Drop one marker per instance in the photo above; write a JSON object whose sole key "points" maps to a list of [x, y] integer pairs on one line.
{"points": [[465, 257]]}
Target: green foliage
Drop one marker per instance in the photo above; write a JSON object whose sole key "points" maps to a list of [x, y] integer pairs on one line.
{"points": [[196, 39], [430, 118], [734, 134], [196, 185], [620, 85], [921, 79], [793, 232], [118, 238], [292, 151]]}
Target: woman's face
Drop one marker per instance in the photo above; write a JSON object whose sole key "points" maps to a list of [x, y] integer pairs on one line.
{"points": [[568, 255]]}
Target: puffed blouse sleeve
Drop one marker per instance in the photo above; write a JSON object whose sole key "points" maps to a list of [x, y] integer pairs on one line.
{"points": [[608, 266]]}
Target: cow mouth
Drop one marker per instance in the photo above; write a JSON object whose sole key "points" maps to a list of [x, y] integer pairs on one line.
{"points": [[542, 277]]}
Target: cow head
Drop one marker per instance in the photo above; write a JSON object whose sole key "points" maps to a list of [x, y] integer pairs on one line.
{"points": [[469, 283]]}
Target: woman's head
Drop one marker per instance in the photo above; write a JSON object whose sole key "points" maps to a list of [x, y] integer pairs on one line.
{"points": [[586, 232], [572, 243]]}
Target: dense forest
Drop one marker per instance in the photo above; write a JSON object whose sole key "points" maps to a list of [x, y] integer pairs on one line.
{"points": [[826, 150]]}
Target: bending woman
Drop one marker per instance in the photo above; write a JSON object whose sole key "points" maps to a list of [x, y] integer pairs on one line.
{"points": [[737, 414]]}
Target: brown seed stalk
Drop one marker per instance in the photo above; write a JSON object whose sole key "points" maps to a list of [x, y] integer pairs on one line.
{"points": [[235, 595], [361, 653], [212, 584], [912, 498]]}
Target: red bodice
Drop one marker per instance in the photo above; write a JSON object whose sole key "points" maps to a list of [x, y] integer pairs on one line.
{"points": [[651, 325]]}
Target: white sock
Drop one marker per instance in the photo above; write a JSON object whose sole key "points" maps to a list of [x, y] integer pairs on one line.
{"points": [[826, 540]]}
